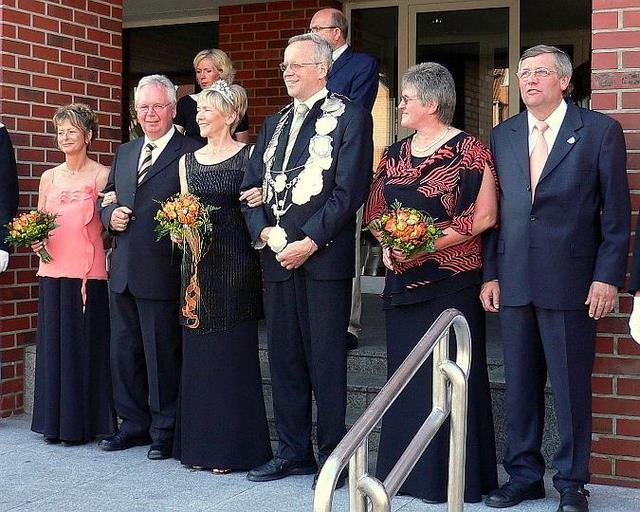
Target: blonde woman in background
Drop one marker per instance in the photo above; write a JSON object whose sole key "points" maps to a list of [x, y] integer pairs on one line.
{"points": [[210, 66]]}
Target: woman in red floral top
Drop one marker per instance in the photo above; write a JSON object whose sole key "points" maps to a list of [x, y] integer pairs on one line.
{"points": [[448, 174]]}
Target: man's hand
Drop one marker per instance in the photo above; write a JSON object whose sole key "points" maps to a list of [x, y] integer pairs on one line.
{"points": [[264, 234], [4, 261], [296, 253], [634, 319], [490, 296], [601, 299], [120, 218]]}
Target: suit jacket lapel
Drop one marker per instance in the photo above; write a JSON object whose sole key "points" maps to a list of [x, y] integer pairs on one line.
{"points": [[307, 130], [281, 143], [568, 132], [341, 61], [520, 144], [168, 155], [129, 178]]}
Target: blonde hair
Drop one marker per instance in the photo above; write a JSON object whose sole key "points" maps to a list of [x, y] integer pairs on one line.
{"points": [[220, 60], [233, 100], [79, 115]]}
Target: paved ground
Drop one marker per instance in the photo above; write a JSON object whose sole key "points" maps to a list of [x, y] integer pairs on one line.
{"points": [[39, 477]]}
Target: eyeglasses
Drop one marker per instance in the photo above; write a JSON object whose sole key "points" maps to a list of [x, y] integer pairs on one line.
{"points": [[145, 109], [405, 99], [525, 74], [295, 66], [318, 28]]}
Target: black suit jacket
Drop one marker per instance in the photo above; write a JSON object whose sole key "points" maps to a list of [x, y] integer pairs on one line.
{"points": [[355, 75], [8, 185], [149, 269], [329, 217], [577, 229]]}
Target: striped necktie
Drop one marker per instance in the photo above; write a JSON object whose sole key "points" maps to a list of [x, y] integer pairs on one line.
{"points": [[146, 162]]}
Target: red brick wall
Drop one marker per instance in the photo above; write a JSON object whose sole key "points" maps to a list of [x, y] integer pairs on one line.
{"points": [[255, 37], [616, 380], [51, 53]]}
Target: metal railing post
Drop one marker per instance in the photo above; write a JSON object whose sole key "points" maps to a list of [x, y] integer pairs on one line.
{"points": [[450, 393]]}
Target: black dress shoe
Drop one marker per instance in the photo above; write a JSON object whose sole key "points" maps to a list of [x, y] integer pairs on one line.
{"points": [[574, 499], [122, 441], [352, 341], [51, 440], [511, 494], [160, 450], [339, 484], [278, 468], [73, 443]]}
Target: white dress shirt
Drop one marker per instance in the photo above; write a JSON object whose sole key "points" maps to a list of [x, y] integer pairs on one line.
{"points": [[160, 144], [554, 121]]}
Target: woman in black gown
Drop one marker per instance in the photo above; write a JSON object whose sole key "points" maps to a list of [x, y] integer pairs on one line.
{"points": [[447, 173], [221, 423], [210, 66]]}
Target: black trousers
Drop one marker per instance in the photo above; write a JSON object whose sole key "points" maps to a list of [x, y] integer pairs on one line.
{"points": [[306, 325], [145, 364], [537, 340]]}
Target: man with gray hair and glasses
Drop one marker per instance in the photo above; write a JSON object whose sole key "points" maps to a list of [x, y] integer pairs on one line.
{"points": [[313, 160], [552, 268], [144, 275]]}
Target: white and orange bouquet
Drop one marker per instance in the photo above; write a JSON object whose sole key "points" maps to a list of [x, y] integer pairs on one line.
{"points": [[31, 227], [407, 229], [186, 220]]}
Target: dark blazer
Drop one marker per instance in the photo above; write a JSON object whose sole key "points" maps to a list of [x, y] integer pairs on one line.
{"points": [[329, 217], [150, 269], [577, 229], [8, 185], [355, 75], [634, 281]]}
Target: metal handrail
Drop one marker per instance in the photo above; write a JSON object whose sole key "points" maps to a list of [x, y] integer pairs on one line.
{"points": [[449, 398]]}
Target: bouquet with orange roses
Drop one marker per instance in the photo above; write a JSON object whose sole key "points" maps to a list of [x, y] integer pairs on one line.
{"points": [[31, 227], [183, 217], [410, 230]]}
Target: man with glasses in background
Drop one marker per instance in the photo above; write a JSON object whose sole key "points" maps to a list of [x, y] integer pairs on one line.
{"points": [[144, 275], [354, 75], [313, 160], [552, 268]]}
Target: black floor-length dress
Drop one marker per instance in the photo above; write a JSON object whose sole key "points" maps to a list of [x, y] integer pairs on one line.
{"points": [[221, 419]]}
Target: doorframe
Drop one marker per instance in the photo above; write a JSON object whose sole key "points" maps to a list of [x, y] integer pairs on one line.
{"points": [[407, 14]]}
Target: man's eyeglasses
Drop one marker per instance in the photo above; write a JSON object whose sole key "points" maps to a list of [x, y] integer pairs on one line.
{"points": [[145, 109], [525, 74], [295, 66], [405, 99], [318, 28]]}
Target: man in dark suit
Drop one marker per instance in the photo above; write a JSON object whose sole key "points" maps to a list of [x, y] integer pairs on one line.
{"points": [[313, 160], [144, 276], [8, 192], [354, 75], [552, 268]]}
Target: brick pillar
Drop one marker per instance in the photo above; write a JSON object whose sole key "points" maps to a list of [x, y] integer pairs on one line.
{"points": [[255, 37], [616, 380], [51, 53]]}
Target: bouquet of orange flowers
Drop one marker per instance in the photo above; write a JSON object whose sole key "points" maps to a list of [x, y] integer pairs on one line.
{"points": [[410, 230], [31, 227], [184, 217]]}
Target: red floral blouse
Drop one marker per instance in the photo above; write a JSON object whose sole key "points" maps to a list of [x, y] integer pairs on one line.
{"points": [[445, 185]]}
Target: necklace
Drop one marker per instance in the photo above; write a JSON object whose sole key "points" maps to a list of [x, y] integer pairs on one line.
{"points": [[425, 149]]}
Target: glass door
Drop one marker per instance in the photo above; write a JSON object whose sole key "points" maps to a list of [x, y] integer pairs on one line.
{"points": [[473, 42]]}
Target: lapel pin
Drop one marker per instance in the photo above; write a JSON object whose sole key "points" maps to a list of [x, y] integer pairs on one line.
{"points": [[571, 140]]}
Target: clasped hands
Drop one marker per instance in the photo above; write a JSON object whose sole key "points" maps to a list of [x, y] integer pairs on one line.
{"points": [[294, 254]]}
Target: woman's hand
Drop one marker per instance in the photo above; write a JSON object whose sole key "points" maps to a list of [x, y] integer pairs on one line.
{"points": [[176, 239], [108, 198], [37, 246], [387, 258], [252, 196]]}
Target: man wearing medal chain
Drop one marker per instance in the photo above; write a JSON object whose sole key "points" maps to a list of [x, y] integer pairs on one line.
{"points": [[314, 161]]}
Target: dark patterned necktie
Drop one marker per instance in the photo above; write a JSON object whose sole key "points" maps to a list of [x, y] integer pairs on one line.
{"points": [[146, 162]]}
